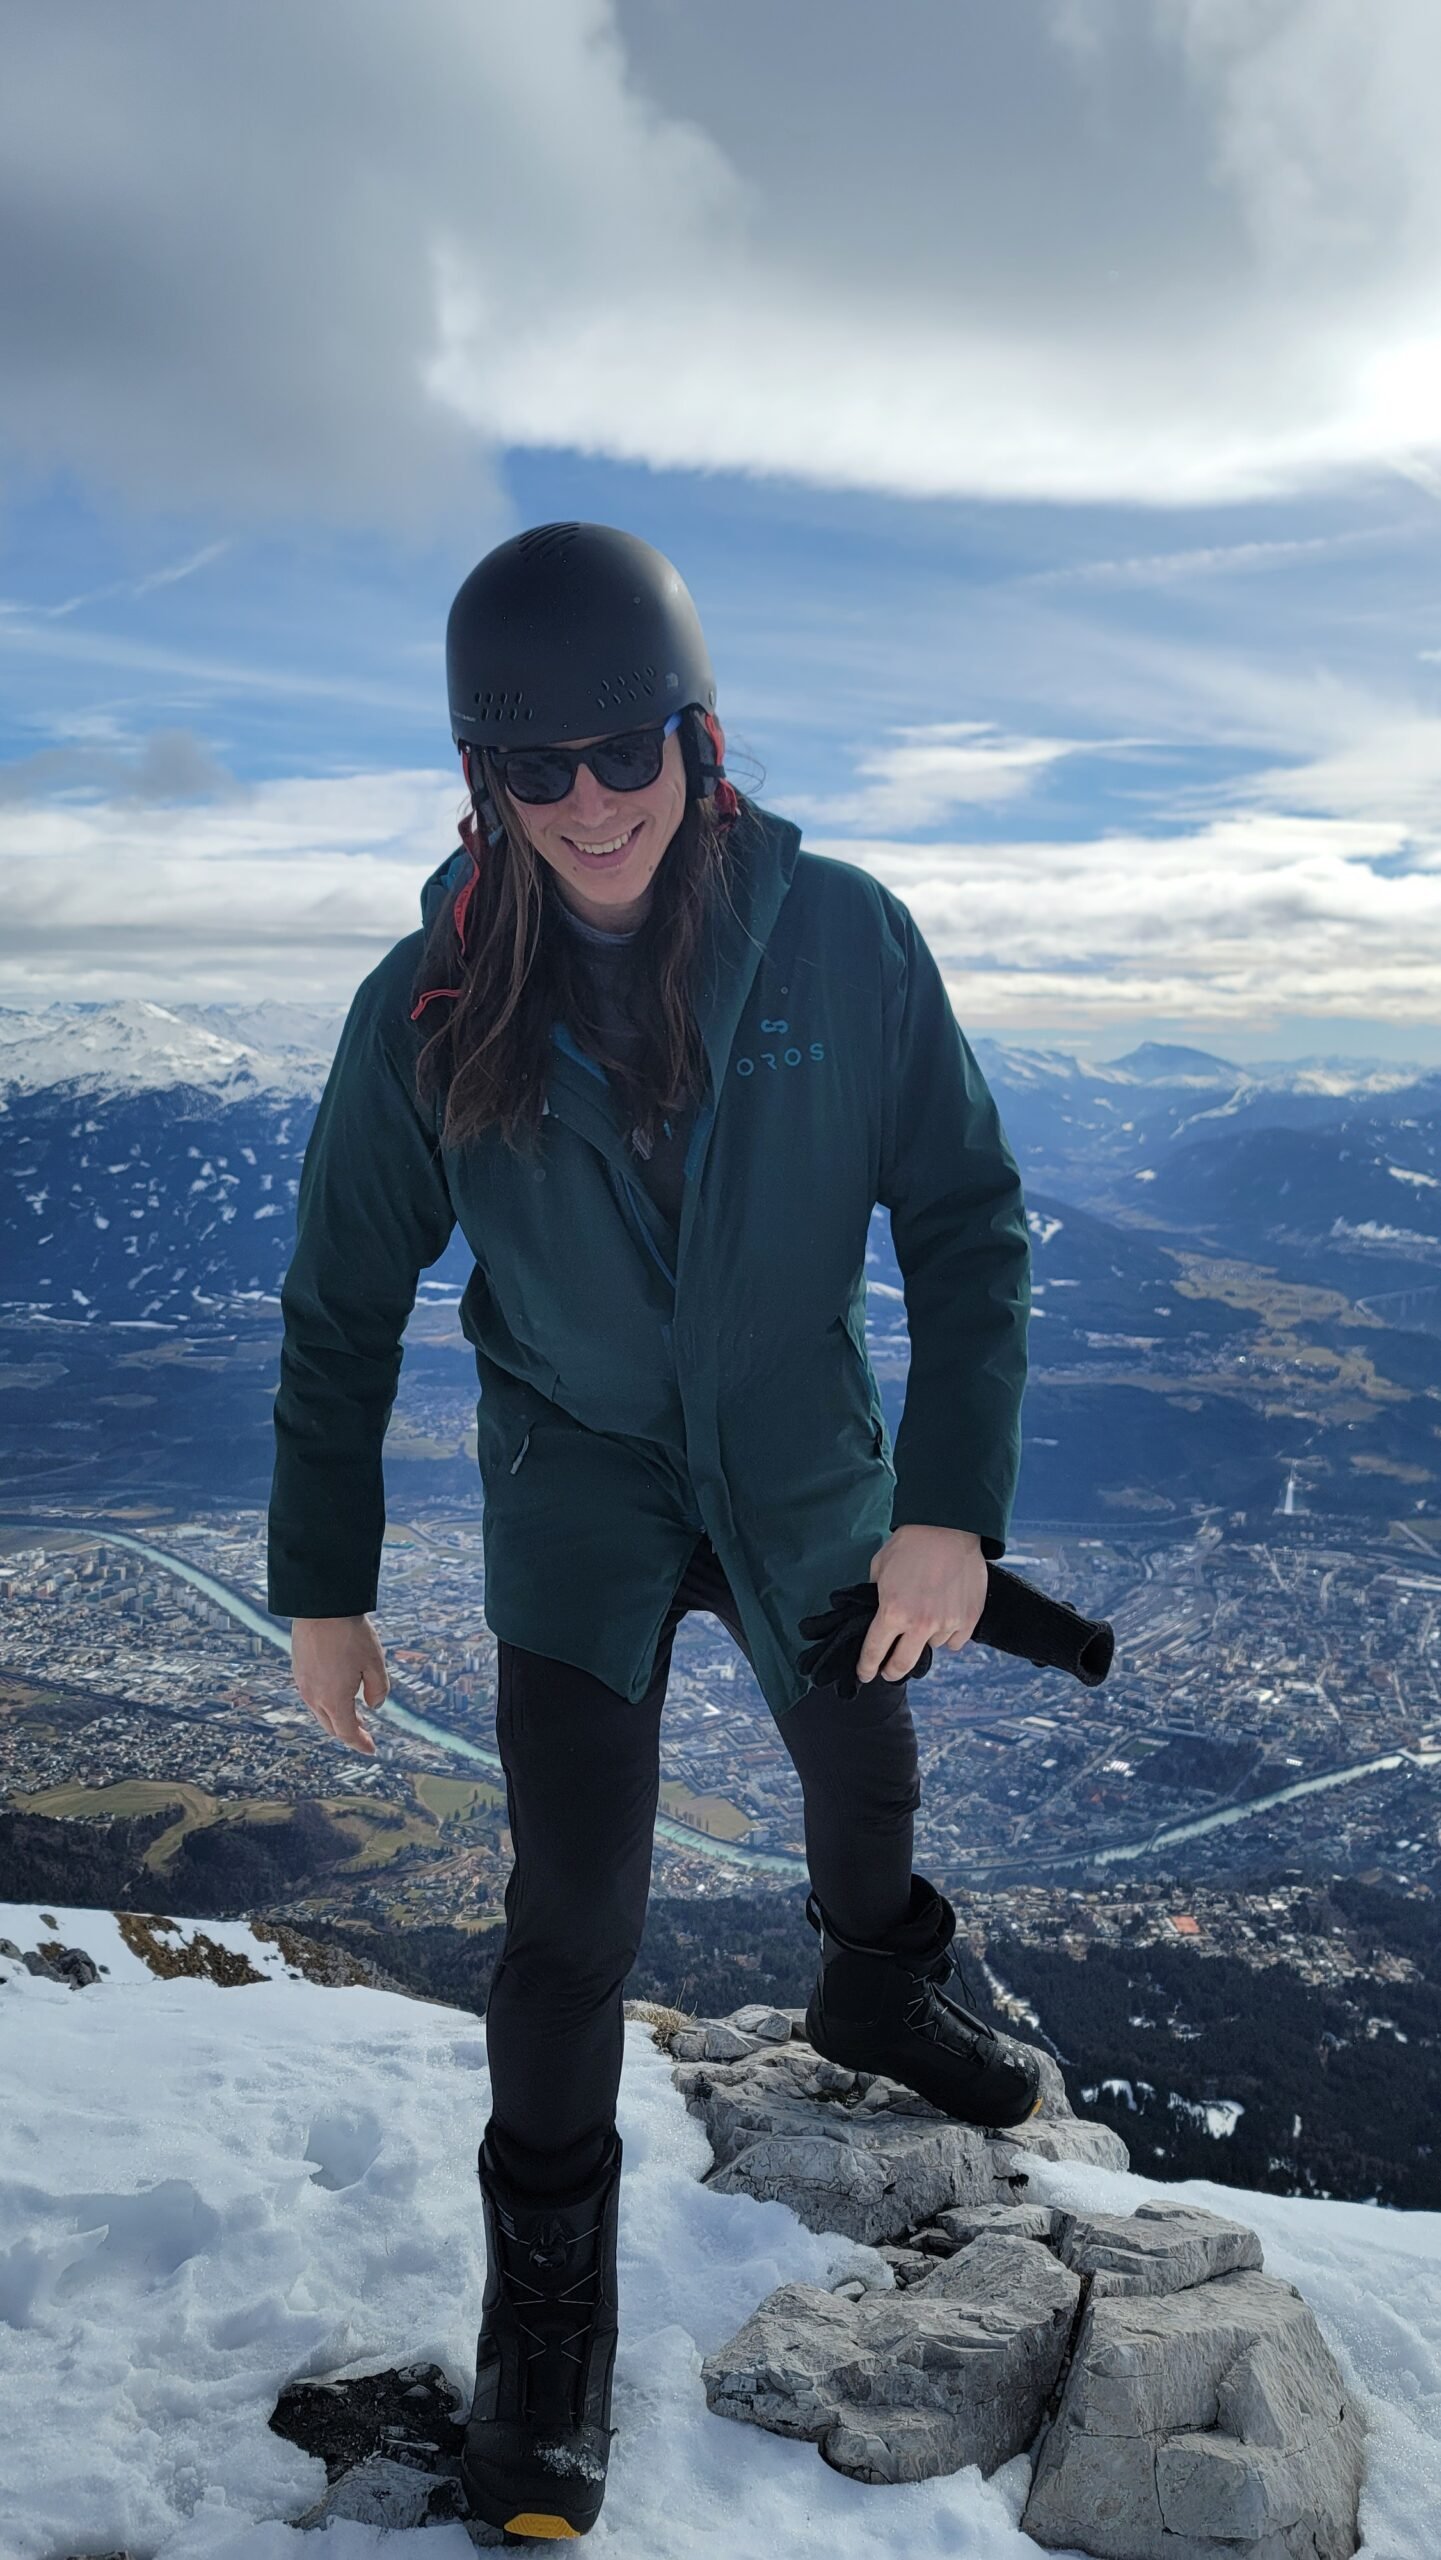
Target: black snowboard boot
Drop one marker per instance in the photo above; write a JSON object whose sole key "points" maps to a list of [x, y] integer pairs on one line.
{"points": [[538, 2438], [886, 2008]]}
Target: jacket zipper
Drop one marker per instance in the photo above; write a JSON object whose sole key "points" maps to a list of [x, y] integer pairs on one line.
{"points": [[642, 1230]]}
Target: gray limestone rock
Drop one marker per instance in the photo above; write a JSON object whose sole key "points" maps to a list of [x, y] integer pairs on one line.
{"points": [[907, 2387], [864, 2190], [76, 1967], [56, 1964], [779, 2115], [907, 2265], [934, 2242], [1201, 2416], [772, 2026], [1160, 2248], [387, 2493], [785, 2125], [1054, 2101], [1207, 2422], [711, 2041], [961, 2223], [1065, 2137]]}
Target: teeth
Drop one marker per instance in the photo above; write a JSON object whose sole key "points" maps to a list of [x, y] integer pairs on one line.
{"points": [[602, 848]]}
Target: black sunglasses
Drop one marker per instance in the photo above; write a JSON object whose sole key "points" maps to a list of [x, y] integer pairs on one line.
{"points": [[624, 763]]}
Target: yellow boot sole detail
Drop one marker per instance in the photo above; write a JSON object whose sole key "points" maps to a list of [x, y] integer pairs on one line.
{"points": [[542, 2528]]}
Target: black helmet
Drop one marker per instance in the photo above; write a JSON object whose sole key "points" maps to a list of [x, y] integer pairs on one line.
{"points": [[570, 630]]}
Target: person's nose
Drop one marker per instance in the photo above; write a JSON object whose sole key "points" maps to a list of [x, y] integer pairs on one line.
{"points": [[589, 801]]}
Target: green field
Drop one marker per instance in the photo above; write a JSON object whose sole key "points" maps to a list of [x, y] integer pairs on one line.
{"points": [[378, 1831], [447, 1797]]}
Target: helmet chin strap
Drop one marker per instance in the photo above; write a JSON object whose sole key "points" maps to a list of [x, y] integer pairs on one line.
{"points": [[484, 806], [708, 770]]}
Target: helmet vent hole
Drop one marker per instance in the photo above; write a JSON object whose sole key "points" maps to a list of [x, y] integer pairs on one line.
{"points": [[547, 541]]}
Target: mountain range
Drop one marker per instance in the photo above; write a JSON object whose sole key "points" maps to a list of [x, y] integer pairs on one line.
{"points": [[1197, 1226], [150, 1155]]}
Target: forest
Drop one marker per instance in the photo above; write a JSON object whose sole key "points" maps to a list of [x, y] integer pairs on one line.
{"points": [[1339, 2087]]}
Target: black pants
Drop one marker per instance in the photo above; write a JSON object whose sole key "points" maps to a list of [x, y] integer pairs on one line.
{"points": [[582, 1769]]}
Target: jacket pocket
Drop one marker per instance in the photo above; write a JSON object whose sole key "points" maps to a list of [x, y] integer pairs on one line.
{"points": [[861, 1392], [506, 1415]]}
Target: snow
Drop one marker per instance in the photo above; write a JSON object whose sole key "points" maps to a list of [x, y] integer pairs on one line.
{"points": [[1372, 1231], [206, 2193], [1218, 2116]]}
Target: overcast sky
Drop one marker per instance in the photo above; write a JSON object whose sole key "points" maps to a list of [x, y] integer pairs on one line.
{"points": [[1042, 401]]}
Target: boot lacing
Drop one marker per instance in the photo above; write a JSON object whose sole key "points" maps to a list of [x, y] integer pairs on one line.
{"points": [[547, 2250], [930, 1998]]}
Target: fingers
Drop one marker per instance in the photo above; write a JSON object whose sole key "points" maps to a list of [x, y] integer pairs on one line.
{"points": [[348, 1729], [332, 1660], [344, 1723], [883, 1655], [880, 1665], [888, 1645]]}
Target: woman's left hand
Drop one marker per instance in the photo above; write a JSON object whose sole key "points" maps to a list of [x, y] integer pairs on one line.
{"points": [[932, 1589]]}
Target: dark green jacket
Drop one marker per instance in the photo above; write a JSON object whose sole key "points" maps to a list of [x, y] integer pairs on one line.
{"points": [[638, 1388]]}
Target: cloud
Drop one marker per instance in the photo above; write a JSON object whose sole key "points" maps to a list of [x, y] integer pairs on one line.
{"points": [[1386, 765], [946, 765], [171, 764], [1211, 560], [296, 890], [1242, 917], [73, 644], [1242, 920], [335, 260], [132, 587]]}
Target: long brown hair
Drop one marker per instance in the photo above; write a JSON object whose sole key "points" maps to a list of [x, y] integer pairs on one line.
{"points": [[511, 969]]}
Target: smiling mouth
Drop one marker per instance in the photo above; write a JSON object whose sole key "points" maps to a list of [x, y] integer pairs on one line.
{"points": [[611, 852]]}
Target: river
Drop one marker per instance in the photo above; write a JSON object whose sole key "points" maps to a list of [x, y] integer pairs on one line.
{"points": [[260, 1623], [759, 1861]]}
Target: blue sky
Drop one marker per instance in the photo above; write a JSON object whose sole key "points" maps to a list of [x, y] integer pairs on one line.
{"points": [[1044, 410]]}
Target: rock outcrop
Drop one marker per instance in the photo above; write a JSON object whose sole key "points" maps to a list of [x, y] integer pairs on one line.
{"points": [[1179, 2402], [851, 2151], [1195, 2422], [390, 2443], [904, 2386], [52, 1962]]}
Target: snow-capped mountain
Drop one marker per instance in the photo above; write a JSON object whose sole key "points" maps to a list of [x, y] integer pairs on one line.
{"points": [[1113, 1118], [150, 1154], [1162, 1063], [134, 1046]]}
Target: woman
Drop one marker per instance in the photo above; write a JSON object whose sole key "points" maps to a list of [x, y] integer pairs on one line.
{"points": [[659, 1064]]}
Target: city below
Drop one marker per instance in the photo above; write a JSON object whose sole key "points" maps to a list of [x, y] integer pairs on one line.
{"points": [[1274, 1704]]}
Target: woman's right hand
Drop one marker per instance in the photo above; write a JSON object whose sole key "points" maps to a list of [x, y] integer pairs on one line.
{"points": [[332, 1658]]}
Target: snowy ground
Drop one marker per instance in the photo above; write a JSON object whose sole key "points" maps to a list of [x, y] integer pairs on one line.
{"points": [[207, 2193]]}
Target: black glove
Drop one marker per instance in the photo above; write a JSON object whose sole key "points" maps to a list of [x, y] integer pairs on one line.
{"points": [[1017, 1618]]}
